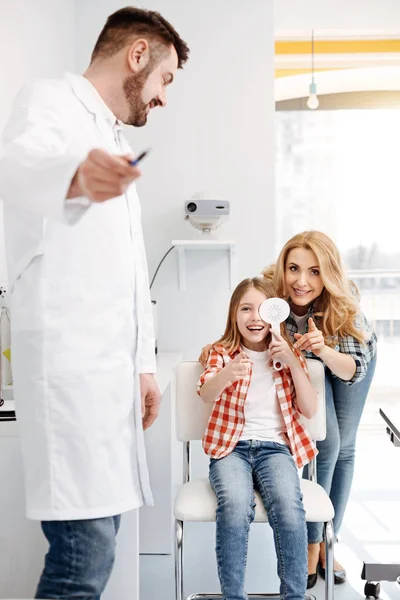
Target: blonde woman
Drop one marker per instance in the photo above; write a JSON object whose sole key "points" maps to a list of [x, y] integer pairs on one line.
{"points": [[255, 439], [326, 323]]}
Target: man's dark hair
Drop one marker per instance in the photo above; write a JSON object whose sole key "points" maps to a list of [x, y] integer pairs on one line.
{"points": [[129, 23]]}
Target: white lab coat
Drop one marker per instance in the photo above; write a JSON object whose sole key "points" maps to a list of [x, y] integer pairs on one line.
{"points": [[81, 319]]}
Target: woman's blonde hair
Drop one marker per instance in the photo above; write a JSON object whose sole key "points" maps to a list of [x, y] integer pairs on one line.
{"points": [[337, 306], [232, 338]]}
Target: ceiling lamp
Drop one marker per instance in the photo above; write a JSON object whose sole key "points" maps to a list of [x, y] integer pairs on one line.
{"points": [[312, 101]]}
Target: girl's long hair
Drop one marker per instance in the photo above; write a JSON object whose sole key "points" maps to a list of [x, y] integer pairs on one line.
{"points": [[232, 338], [337, 306]]}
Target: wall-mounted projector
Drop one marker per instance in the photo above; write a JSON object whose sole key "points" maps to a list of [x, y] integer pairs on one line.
{"points": [[205, 213]]}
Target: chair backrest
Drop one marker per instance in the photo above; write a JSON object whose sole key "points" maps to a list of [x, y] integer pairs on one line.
{"points": [[316, 426], [192, 413]]}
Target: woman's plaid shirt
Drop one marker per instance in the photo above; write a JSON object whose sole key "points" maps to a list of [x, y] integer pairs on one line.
{"points": [[227, 419], [361, 353]]}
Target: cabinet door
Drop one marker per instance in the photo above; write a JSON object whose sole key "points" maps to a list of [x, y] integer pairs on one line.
{"points": [[124, 580], [155, 522], [22, 543]]}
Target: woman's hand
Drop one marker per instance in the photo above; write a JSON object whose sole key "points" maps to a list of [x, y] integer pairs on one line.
{"points": [[313, 341], [280, 351], [204, 355], [341, 364]]}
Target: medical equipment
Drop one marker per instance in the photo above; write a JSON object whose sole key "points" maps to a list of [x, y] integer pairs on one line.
{"points": [[373, 573], [206, 212], [274, 311]]}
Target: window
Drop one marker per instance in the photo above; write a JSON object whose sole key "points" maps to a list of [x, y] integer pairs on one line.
{"points": [[338, 171]]}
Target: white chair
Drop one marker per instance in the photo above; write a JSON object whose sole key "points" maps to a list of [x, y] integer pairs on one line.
{"points": [[196, 501]]}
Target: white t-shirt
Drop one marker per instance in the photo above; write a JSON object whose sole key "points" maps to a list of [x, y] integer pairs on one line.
{"points": [[301, 323], [262, 413]]}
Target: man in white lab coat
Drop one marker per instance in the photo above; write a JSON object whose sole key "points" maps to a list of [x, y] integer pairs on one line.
{"points": [[82, 333]]}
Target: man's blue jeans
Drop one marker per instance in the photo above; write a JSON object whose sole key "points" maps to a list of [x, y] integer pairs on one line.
{"points": [[335, 461], [80, 558], [268, 467]]}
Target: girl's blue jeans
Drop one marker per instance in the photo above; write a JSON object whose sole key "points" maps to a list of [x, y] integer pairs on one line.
{"points": [[268, 467]]}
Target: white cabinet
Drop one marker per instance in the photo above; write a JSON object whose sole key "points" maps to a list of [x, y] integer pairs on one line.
{"points": [[22, 543], [124, 581], [164, 458]]}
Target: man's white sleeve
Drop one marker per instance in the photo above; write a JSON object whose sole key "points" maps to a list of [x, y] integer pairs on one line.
{"points": [[38, 156]]}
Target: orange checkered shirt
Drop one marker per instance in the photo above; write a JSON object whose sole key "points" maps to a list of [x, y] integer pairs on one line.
{"points": [[227, 419]]}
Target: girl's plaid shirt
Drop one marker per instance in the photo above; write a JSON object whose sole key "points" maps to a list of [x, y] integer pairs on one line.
{"points": [[227, 418]]}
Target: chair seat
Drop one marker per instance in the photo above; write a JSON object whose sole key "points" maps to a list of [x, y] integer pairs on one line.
{"points": [[196, 501]]}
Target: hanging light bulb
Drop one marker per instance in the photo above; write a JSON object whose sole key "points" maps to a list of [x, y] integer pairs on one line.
{"points": [[312, 101]]}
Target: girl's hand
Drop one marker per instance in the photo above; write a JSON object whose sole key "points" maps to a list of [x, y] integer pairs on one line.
{"points": [[279, 350], [238, 368], [313, 341], [204, 355]]}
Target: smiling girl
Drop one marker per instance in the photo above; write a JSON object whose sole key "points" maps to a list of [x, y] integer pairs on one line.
{"points": [[255, 440]]}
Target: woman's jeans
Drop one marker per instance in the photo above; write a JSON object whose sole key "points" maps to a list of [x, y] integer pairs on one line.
{"points": [[335, 461], [269, 468], [80, 558]]}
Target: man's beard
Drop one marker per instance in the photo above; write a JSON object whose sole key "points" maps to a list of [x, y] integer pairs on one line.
{"points": [[133, 88]]}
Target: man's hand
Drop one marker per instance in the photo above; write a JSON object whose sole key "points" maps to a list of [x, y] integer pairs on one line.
{"points": [[150, 396], [102, 176]]}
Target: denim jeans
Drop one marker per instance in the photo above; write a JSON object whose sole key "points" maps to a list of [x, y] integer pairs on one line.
{"points": [[335, 461], [80, 558], [269, 468]]}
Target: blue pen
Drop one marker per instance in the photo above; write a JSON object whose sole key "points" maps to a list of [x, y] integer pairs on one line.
{"points": [[137, 160]]}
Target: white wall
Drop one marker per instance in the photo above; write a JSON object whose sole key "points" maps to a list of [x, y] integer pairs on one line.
{"points": [[36, 40], [337, 14], [215, 134]]}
